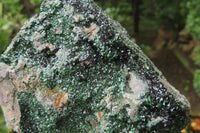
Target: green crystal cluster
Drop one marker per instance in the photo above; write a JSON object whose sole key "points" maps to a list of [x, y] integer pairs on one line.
{"points": [[82, 52]]}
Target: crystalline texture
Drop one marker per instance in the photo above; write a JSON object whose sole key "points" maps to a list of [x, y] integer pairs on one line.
{"points": [[71, 68]]}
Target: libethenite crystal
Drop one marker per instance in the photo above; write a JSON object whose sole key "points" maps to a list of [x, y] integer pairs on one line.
{"points": [[73, 69]]}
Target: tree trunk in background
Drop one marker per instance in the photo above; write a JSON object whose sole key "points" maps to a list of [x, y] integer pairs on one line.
{"points": [[103, 3], [136, 14], [28, 7]]}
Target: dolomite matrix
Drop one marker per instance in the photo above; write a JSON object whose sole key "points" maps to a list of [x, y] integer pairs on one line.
{"points": [[73, 69]]}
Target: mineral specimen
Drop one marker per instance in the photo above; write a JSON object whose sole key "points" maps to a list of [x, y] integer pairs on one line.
{"points": [[71, 68]]}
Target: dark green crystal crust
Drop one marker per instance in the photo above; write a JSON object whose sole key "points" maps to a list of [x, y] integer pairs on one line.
{"points": [[83, 52]]}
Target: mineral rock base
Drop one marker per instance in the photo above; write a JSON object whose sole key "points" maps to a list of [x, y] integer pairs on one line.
{"points": [[73, 69]]}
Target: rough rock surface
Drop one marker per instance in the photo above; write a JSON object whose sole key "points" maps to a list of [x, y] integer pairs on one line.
{"points": [[71, 68]]}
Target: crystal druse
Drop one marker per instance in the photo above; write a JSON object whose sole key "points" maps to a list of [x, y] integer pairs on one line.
{"points": [[73, 69]]}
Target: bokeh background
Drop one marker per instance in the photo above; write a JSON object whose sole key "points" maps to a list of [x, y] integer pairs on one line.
{"points": [[168, 31]]}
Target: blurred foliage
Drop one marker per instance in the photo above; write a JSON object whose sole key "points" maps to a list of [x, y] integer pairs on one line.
{"points": [[10, 21], [197, 50], [146, 49], [166, 13], [12, 18], [193, 26], [186, 89], [193, 18], [196, 81], [37, 4]]}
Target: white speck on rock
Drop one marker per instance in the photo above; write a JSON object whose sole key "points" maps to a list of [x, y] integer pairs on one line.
{"points": [[78, 17]]}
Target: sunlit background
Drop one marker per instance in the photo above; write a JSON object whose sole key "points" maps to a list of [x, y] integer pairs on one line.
{"points": [[168, 31]]}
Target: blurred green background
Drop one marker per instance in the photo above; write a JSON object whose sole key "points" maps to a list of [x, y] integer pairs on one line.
{"points": [[168, 31]]}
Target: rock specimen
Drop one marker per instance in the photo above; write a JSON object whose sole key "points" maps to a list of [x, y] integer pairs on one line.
{"points": [[73, 69]]}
